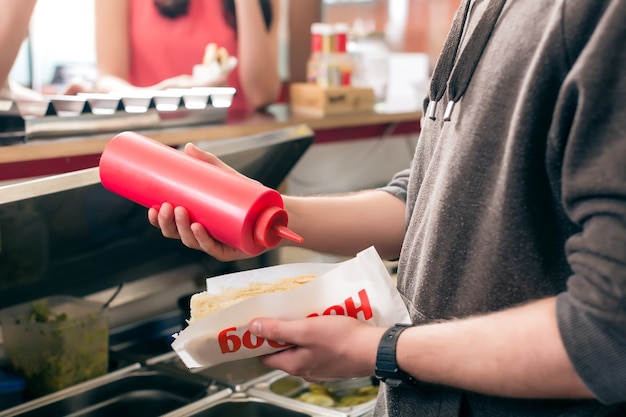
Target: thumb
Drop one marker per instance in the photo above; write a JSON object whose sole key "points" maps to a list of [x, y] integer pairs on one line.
{"points": [[195, 152], [284, 331]]}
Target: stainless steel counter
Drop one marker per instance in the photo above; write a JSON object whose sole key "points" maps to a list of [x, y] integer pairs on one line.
{"points": [[66, 234], [46, 156]]}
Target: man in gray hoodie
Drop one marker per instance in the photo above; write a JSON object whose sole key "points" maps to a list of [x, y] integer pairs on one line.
{"points": [[509, 227]]}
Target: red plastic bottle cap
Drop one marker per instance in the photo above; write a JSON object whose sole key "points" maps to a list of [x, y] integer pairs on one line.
{"points": [[271, 226]]}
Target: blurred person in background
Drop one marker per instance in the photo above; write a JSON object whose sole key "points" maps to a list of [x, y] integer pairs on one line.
{"points": [[14, 21], [155, 44]]}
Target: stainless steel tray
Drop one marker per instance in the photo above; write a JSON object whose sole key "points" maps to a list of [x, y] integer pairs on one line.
{"points": [[283, 388], [238, 375], [134, 390], [240, 404], [88, 113]]}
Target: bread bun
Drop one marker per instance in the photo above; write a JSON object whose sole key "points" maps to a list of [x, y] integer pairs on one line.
{"points": [[222, 57], [210, 54], [203, 303], [213, 53]]}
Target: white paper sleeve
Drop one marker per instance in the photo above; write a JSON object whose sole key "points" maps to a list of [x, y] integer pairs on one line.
{"points": [[359, 287]]}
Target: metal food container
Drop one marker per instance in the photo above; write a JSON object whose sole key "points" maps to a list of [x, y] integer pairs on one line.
{"points": [[55, 342], [134, 390], [240, 404], [238, 375], [354, 397]]}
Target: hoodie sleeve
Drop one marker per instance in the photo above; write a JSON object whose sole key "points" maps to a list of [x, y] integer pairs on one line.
{"points": [[398, 185], [589, 133]]}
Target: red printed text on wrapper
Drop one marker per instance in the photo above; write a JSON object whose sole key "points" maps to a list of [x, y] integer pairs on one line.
{"points": [[230, 342]]}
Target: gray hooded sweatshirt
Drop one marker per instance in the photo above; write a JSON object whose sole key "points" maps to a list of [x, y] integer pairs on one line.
{"points": [[521, 194]]}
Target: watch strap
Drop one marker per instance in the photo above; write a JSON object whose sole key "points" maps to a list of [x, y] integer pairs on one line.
{"points": [[387, 369]]}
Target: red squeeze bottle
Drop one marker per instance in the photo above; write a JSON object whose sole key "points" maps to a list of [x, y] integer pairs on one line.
{"points": [[234, 209]]}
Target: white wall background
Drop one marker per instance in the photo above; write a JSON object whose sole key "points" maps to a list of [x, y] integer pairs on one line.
{"points": [[61, 33]]}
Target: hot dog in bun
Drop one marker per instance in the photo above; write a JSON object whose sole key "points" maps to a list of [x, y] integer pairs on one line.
{"points": [[203, 303]]}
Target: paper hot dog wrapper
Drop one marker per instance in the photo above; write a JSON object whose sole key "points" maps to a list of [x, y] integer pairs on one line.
{"points": [[359, 287]]}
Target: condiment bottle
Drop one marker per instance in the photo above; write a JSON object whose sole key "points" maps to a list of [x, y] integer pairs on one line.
{"points": [[314, 61], [321, 54], [234, 209], [341, 54]]}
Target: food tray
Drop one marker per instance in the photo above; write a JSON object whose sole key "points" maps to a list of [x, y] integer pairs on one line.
{"points": [[281, 387], [55, 342], [88, 113]]}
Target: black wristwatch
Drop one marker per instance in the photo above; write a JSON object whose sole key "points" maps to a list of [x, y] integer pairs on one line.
{"points": [[387, 369]]}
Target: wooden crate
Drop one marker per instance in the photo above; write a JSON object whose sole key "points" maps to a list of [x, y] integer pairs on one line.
{"points": [[314, 99]]}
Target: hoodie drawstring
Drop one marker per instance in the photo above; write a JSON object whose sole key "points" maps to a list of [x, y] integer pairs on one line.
{"points": [[445, 63], [456, 77], [466, 65]]}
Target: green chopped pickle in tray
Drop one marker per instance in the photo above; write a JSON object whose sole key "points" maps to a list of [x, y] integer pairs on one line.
{"points": [[319, 394], [40, 312], [56, 342]]}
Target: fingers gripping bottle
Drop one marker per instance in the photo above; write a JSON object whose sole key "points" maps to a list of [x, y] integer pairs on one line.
{"points": [[234, 209]]}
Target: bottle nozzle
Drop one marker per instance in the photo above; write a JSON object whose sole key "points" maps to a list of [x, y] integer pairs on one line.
{"points": [[271, 226], [286, 233]]}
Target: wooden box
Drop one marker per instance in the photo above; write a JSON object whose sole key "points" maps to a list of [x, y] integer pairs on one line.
{"points": [[314, 99]]}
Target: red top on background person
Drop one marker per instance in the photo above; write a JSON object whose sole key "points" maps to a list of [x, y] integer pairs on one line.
{"points": [[163, 40]]}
